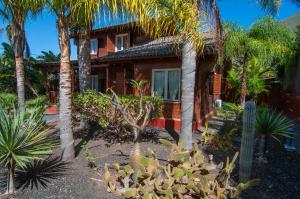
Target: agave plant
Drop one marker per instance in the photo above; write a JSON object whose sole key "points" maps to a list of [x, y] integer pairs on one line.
{"points": [[23, 138], [270, 123]]}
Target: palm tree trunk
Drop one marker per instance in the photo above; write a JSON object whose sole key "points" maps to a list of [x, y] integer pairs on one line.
{"points": [[84, 62], [219, 35], [20, 82], [244, 80], [65, 92], [84, 59], [187, 93]]}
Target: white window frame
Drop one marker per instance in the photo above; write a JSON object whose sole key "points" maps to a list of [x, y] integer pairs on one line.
{"points": [[122, 41], [92, 78], [96, 52], [166, 71]]}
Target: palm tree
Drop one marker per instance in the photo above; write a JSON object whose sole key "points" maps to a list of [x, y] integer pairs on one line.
{"points": [[268, 41], [48, 56], [23, 138], [62, 10], [240, 47], [272, 6], [15, 12]]}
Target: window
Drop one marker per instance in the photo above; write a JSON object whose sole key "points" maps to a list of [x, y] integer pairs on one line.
{"points": [[94, 82], [166, 83], [94, 46], [122, 42]]}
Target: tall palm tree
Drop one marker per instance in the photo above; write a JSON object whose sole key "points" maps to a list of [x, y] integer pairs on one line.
{"points": [[268, 41], [15, 12], [62, 10]]}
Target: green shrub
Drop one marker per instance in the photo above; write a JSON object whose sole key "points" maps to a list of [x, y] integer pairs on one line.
{"points": [[98, 108], [40, 101], [187, 174], [8, 100]]}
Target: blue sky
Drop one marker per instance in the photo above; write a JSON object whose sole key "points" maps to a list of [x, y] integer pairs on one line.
{"points": [[42, 34]]}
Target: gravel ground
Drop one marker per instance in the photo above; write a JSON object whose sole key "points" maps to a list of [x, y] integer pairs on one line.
{"points": [[280, 176], [81, 182]]}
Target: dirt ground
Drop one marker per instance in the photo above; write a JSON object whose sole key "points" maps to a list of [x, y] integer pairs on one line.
{"points": [[280, 176], [79, 181]]}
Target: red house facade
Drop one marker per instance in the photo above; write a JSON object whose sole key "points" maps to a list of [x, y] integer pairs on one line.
{"points": [[122, 53]]}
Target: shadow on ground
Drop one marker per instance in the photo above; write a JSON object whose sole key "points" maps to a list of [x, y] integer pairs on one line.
{"points": [[40, 173]]}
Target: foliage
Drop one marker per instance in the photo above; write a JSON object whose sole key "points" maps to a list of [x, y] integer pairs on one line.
{"points": [[216, 141], [8, 101], [267, 48], [98, 108], [88, 156], [272, 123], [35, 78], [39, 102], [272, 6], [48, 56], [257, 79], [23, 137], [231, 110], [185, 174]]}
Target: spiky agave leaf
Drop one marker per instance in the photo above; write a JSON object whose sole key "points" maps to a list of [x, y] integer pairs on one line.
{"points": [[23, 137], [272, 123]]}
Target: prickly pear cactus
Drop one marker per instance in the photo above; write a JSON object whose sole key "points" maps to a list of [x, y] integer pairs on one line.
{"points": [[247, 144], [186, 174]]}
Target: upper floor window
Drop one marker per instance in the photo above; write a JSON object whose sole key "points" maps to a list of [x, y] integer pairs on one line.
{"points": [[94, 46], [122, 42], [166, 83]]}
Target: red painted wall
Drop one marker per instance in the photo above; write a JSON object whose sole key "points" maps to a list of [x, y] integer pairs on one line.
{"points": [[288, 103]]}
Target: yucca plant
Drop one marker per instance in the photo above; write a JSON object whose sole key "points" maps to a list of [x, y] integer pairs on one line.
{"points": [[23, 138], [270, 123]]}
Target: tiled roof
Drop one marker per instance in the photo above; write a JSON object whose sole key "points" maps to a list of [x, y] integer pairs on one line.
{"points": [[165, 46]]}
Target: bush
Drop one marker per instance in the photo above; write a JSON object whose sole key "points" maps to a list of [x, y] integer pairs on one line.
{"points": [[8, 101], [100, 109], [39, 102], [186, 174]]}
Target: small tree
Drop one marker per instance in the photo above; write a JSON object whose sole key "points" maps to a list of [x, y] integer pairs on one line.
{"points": [[137, 117], [23, 137]]}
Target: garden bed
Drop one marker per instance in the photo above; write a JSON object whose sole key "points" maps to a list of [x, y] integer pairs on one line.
{"points": [[279, 177]]}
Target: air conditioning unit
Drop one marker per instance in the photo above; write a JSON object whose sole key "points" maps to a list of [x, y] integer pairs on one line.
{"points": [[218, 104]]}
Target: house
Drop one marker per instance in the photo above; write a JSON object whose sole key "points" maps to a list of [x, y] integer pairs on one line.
{"points": [[123, 52]]}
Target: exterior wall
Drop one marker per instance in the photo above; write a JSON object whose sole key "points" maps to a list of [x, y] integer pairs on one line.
{"points": [[288, 103], [106, 39], [143, 71], [171, 114]]}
